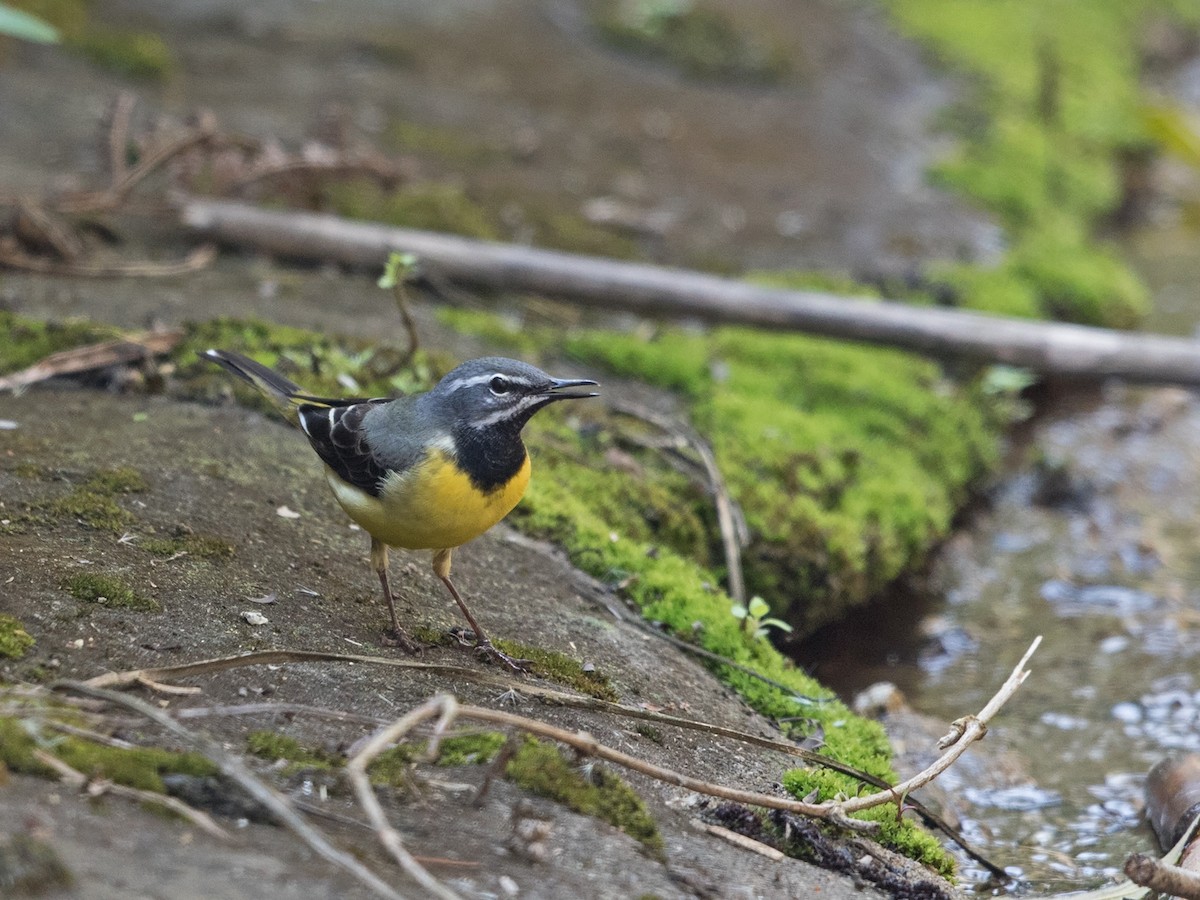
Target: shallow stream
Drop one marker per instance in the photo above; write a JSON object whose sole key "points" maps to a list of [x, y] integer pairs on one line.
{"points": [[1092, 541]]}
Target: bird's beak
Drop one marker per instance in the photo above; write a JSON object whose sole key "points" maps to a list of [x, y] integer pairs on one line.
{"points": [[560, 389]]}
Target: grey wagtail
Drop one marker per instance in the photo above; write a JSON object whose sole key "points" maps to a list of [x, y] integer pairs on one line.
{"points": [[426, 472]]}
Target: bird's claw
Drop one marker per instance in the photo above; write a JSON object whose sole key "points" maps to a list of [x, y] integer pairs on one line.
{"points": [[485, 648], [398, 637]]}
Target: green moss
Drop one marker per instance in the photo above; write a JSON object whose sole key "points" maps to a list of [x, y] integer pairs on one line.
{"points": [[538, 766], [197, 545], [272, 746], [846, 480], [141, 767], [433, 206], [109, 591], [393, 767], [448, 145], [138, 54], [555, 666], [701, 39], [471, 749], [15, 641], [97, 511], [24, 341], [121, 480], [320, 362], [93, 502], [1057, 107], [894, 831], [649, 732]]}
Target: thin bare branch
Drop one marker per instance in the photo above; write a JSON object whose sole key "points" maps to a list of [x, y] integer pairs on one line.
{"points": [[967, 731], [95, 788], [442, 705], [740, 840], [197, 259], [113, 196], [124, 351], [728, 518], [233, 768], [1163, 877]]}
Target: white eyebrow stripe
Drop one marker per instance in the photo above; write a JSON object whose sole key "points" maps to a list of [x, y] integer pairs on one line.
{"points": [[459, 383], [509, 411]]}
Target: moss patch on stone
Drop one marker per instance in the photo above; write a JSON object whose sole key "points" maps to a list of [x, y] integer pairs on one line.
{"points": [[140, 767], [24, 341], [109, 591], [200, 546], [432, 206], [540, 767], [273, 746], [555, 666], [1056, 112], [92, 503], [15, 641], [645, 529], [702, 39]]}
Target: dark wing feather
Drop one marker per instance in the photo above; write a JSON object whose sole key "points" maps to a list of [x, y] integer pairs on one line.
{"points": [[336, 433]]}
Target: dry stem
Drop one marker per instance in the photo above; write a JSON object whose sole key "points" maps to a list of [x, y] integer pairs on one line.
{"points": [[1163, 877], [236, 771], [95, 788]]}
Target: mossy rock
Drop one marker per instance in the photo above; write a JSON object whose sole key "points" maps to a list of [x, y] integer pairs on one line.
{"points": [[540, 767], [15, 641], [139, 767], [1057, 108], [108, 591]]}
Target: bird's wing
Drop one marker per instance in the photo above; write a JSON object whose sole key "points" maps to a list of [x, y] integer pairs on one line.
{"points": [[336, 432]]}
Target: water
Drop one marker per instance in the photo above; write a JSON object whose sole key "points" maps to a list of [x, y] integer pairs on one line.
{"points": [[1093, 541]]}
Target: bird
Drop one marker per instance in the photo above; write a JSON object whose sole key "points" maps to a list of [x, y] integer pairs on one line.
{"points": [[427, 471]]}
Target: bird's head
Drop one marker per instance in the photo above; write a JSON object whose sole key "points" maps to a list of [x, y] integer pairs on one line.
{"points": [[494, 392]]}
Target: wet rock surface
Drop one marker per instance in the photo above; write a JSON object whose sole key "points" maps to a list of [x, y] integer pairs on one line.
{"points": [[226, 473]]}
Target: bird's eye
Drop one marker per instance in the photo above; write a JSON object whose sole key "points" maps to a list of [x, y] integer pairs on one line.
{"points": [[500, 385]]}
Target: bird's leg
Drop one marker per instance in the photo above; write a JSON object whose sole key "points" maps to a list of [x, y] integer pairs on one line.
{"points": [[441, 568], [379, 561]]}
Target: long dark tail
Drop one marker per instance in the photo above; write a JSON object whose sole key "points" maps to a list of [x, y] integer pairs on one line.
{"points": [[268, 381]]}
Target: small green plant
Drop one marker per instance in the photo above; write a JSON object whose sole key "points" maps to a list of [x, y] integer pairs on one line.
{"points": [[397, 270], [755, 619]]}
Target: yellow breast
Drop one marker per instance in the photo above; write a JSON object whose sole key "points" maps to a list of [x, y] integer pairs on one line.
{"points": [[432, 506]]}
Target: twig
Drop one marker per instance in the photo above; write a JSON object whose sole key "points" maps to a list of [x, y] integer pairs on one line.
{"points": [[965, 732], [287, 709], [276, 657], [1163, 877], [95, 788], [124, 351], [198, 259], [740, 840], [732, 534], [560, 698], [383, 171], [356, 771], [113, 196], [1070, 351], [118, 134], [87, 734], [235, 770]]}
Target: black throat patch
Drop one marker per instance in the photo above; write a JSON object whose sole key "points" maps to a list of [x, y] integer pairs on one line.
{"points": [[491, 457]]}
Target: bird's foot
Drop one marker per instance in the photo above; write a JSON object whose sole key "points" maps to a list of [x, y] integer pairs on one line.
{"points": [[398, 637], [485, 648]]}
